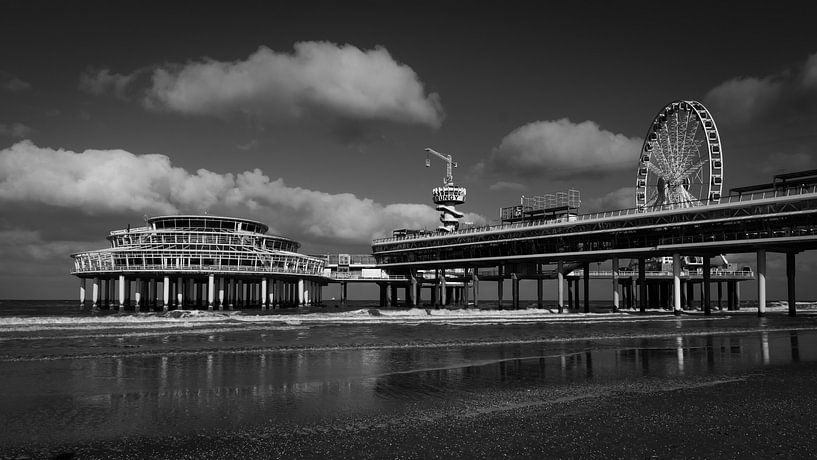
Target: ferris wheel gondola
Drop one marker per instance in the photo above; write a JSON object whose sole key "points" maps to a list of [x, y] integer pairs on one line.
{"points": [[681, 160]]}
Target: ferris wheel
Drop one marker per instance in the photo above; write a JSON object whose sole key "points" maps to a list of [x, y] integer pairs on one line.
{"points": [[681, 161]]}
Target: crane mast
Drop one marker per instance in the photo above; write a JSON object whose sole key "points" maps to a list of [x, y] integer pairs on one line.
{"points": [[448, 196], [449, 163]]}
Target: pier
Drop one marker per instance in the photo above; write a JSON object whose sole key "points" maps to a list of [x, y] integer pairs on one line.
{"points": [[780, 220], [198, 261]]}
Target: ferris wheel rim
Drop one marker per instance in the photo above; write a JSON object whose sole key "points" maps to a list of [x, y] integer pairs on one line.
{"points": [[713, 162]]}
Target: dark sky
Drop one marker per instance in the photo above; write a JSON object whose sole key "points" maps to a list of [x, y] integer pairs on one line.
{"points": [[313, 116]]}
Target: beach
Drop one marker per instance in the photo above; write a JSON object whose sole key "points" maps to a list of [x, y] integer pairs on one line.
{"points": [[400, 383]]}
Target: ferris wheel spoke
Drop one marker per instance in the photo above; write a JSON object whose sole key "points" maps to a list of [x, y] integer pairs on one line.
{"points": [[694, 169]]}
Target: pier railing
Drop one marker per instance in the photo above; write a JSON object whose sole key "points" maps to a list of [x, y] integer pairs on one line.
{"points": [[730, 199]]}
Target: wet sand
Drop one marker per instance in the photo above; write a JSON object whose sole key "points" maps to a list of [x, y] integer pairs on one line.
{"points": [[597, 387]]}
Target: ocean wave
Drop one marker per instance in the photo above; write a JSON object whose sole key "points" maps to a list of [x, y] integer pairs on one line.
{"points": [[233, 319]]}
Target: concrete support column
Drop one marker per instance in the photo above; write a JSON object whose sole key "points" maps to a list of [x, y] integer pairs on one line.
{"points": [[343, 292], [165, 292], [180, 293], [500, 288], [211, 290], [154, 294], [737, 295], [240, 294], [676, 284], [393, 295], [411, 292], [705, 297], [586, 287], [570, 294], [95, 294], [137, 295], [720, 295], [300, 292], [514, 291], [464, 290], [121, 293], [560, 286], [539, 293], [642, 284], [111, 292], [221, 293], [271, 295], [690, 294], [443, 289], [790, 285], [476, 287], [616, 294], [761, 282], [264, 294], [82, 293]]}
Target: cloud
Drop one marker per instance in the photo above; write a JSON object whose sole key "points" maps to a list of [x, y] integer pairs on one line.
{"points": [[780, 162], [562, 149], [103, 81], [11, 83], [787, 94], [98, 182], [317, 81], [15, 130], [623, 198], [504, 185]]}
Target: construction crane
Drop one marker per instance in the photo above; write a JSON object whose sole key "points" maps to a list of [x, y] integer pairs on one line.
{"points": [[450, 163]]}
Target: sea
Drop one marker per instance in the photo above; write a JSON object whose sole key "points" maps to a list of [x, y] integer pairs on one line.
{"points": [[357, 381]]}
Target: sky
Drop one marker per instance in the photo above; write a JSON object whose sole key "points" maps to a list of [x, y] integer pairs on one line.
{"points": [[312, 116]]}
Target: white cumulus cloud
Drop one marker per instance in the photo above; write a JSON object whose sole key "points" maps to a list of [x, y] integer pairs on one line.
{"points": [[317, 81], [788, 93], [562, 149], [99, 182]]}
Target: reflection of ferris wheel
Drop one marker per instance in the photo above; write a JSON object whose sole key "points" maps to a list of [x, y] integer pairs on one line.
{"points": [[681, 161]]}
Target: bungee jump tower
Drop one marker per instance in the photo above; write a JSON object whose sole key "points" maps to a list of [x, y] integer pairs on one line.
{"points": [[447, 196]]}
